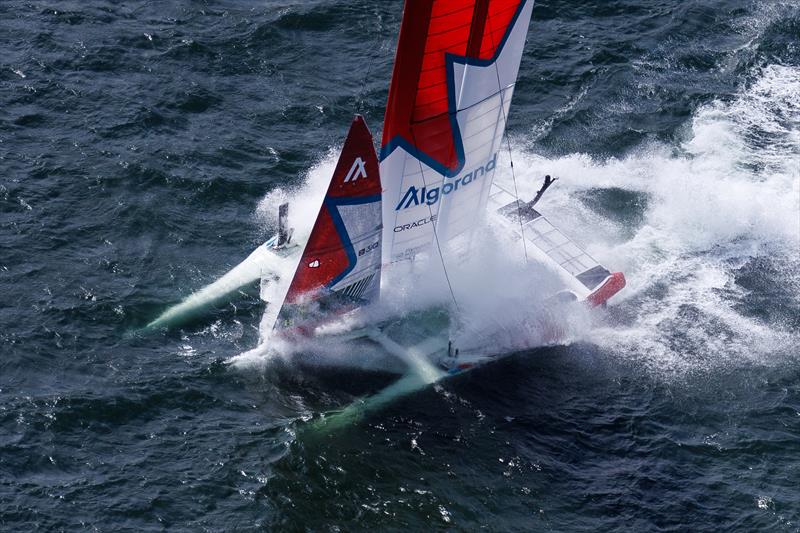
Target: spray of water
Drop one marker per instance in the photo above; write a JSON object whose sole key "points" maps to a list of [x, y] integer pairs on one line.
{"points": [[305, 201], [679, 221], [729, 193]]}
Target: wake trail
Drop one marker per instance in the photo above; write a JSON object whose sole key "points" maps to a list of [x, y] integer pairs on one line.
{"points": [[686, 222]]}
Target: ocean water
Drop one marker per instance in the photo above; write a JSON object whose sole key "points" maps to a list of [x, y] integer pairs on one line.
{"points": [[143, 146]]}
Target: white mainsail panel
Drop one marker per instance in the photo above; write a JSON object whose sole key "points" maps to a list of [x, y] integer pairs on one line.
{"points": [[429, 183]]}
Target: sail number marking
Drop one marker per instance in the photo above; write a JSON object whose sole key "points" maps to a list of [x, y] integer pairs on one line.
{"points": [[368, 249]]}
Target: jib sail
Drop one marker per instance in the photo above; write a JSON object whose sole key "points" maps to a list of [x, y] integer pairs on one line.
{"points": [[340, 267]]}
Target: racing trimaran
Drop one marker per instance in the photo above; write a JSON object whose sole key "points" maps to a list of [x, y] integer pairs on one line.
{"points": [[419, 204]]}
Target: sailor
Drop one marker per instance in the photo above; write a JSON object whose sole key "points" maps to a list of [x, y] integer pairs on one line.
{"points": [[548, 181]]}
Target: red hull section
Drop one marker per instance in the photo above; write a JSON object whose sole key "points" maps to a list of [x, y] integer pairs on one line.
{"points": [[611, 286]]}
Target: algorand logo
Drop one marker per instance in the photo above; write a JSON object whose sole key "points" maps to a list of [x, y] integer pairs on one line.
{"points": [[430, 196], [358, 170]]}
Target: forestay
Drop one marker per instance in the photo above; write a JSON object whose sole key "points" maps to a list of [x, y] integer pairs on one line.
{"points": [[456, 65]]}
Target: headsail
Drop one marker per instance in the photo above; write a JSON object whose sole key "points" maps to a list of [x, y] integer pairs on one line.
{"points": [[340, 265], [456, 66]]}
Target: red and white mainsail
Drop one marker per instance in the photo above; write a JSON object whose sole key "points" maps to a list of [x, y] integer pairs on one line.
{"points": [[456, 65]]}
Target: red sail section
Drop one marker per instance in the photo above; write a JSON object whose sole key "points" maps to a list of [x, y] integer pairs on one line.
{"points": [[324, 259], [329, 254], [417, 112]]}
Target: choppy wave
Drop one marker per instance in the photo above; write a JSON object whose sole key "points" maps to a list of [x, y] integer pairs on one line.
{"points": [[136, 139]]}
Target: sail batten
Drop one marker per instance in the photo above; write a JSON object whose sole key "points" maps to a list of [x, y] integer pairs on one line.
{"points": [[456, 67]]}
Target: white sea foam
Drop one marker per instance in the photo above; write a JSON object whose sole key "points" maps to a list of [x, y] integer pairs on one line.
{"points": [[305, 199], [730, 192]]}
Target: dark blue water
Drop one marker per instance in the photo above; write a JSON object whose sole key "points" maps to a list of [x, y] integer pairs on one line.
{"points": [[137, 141]]}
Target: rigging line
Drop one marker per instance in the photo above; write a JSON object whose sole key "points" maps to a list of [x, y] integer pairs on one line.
{"points": [[435, 232], [516, 192], [508, 145], [359, 96]]}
